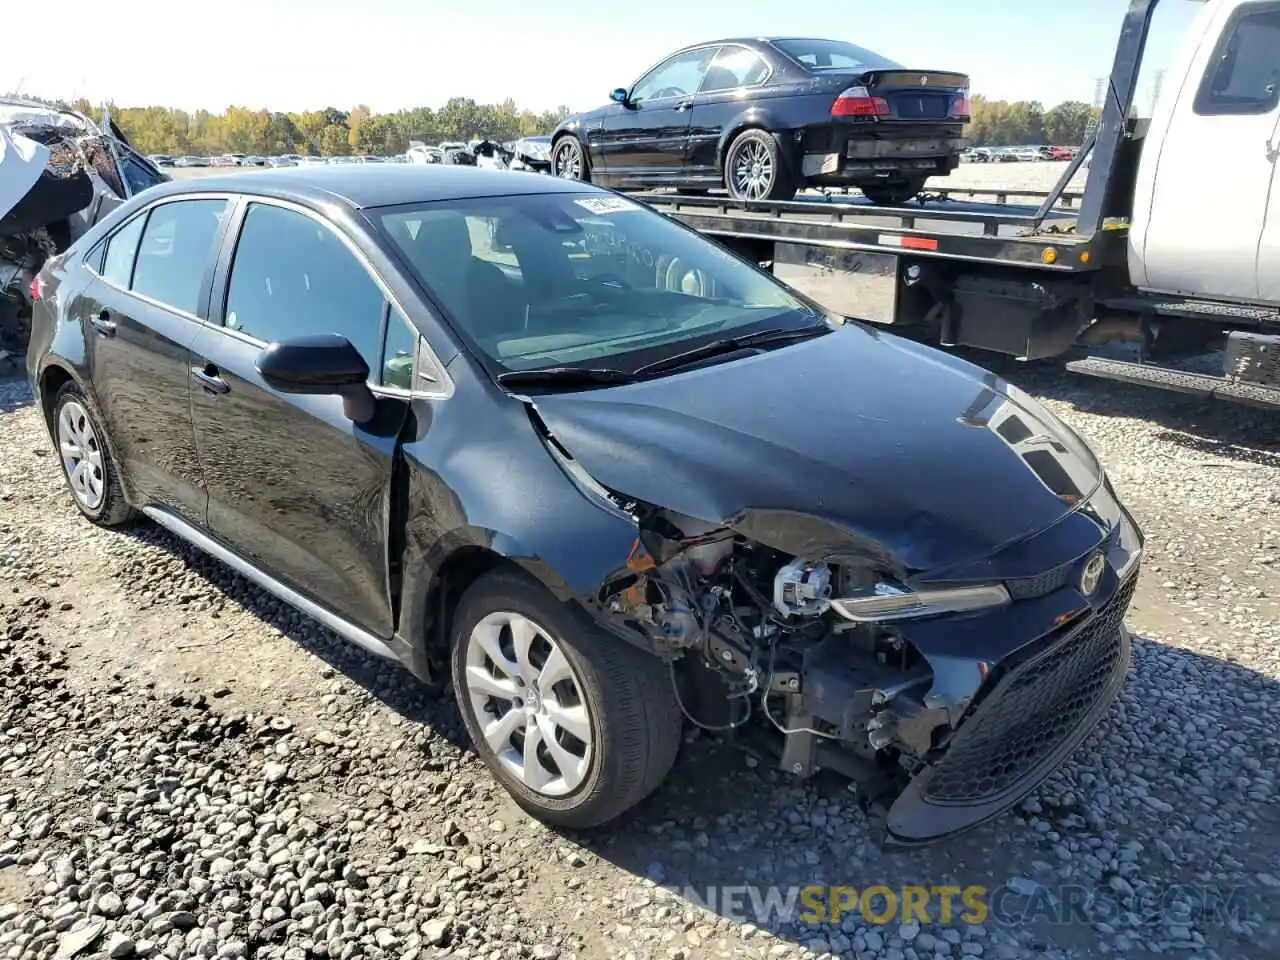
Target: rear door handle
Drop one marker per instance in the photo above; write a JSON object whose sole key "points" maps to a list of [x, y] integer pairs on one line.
{"points": [[684, 105], [102, 322], [209, 379]]}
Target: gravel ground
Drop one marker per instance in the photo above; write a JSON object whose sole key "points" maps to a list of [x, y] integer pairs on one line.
{"points": [[189, 769]]}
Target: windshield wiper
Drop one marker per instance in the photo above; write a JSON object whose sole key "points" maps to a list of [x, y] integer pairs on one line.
{"points": [[565, 376], [730, 345]]}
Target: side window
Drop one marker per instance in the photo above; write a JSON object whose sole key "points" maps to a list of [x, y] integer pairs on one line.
{"points": [[174, 254], [1244, 75], [117, 267], [678, 77], [398, 352], [734, 67], [292, 276], [137, 176]]}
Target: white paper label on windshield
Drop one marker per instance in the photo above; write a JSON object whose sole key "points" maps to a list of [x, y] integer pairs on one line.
{"points": [[603, 205]]}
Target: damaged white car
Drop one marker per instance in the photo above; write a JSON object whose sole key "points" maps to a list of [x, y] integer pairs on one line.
{"points": [[60, 172]]}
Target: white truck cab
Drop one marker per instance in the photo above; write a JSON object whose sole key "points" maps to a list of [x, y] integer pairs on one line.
{"points": [[1206, 218]]}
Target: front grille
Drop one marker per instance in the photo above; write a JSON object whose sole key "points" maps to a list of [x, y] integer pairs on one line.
{"points": [[1028, 588], [1031, 710]]}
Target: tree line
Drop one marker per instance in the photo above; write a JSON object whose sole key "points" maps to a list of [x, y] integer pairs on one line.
{"points": [[1011, 123], [334, 132]]}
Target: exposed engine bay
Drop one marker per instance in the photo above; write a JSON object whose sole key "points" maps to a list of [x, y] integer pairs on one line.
{"points": [[754, 632]]}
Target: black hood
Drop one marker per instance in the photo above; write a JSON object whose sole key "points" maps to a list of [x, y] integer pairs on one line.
{"points": [[919, 455]]}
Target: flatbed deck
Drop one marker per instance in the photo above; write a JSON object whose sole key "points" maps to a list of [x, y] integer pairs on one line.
{"points": [[990, 232]]}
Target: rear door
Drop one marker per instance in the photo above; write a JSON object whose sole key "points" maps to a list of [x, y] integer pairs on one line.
{"points": [[646, 140], [733, 79], [1217, 163], [294, 486], [141, 312]]}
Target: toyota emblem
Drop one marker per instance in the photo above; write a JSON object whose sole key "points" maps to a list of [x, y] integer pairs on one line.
{"points": [[1092, 574]]}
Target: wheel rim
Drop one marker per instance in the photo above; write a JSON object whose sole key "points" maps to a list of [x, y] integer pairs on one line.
{"points": [[568, 161], [528, 703], [81, 453], [752, 170]]}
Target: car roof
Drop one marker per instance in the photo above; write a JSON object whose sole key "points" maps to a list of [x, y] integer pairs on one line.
{"points": [[375, 185]]}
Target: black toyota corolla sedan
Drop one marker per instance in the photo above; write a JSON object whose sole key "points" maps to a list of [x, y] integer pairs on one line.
{"points": [[536, 439], [765, 117]]}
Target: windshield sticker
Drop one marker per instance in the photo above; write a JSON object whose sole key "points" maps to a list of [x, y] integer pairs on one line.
{"points": [[603, 205]]}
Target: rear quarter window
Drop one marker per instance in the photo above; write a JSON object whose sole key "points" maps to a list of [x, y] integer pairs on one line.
{"points": [[117, 264]]}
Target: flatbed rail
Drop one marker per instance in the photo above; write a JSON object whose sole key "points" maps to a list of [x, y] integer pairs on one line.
{"points": [[1013, 235]]}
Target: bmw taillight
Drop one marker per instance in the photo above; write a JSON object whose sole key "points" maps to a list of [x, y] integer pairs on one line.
{"points": [[960, 109], [858, 102]]}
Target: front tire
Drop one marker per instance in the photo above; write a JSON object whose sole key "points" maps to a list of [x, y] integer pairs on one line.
{"points": [[892, 194], [569, 161], [575, 724], [754, 168], [87, 464]]}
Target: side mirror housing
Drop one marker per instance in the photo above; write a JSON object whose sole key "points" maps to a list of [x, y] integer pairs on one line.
{"points": [[324, 363], [619, 95]]}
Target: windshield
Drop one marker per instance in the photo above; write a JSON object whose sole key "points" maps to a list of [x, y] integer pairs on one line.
{"points": [[582, 280], [834, 55]]}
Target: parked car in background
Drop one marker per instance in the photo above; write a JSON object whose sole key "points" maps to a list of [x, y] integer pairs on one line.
{"points": [[161, 160], [531, 153], [767, 117], [908, 558], [191, 161], [976, 155]]}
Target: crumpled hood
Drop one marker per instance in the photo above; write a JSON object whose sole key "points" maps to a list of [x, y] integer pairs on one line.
{"points": [[934, 460]]}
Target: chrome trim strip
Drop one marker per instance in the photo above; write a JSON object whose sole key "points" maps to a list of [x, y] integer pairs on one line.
{"points": [[339, 625]]}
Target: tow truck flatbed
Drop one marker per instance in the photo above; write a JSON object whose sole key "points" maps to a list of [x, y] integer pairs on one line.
{"points": [[1011, 234]]}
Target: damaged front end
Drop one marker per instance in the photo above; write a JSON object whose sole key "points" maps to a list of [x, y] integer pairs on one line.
{"points": [[60, 173], [951, 701]]}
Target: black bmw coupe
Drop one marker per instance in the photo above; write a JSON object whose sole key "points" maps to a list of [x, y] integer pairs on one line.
{"points": [[767, 117]]}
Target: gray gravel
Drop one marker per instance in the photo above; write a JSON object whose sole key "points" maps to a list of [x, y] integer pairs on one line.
{"points": [[189, 769]]}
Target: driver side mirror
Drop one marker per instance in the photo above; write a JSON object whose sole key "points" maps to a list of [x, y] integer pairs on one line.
{"points": [[325, 363], [619, 95]]}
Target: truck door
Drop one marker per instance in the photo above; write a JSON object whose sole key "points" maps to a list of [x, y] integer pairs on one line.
{"points": [[1218, 159]]}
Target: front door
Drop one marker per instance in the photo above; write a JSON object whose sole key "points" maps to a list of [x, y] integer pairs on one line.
{"points": [[140, 316], [645, 140], [1217, 162], [294, 486]]}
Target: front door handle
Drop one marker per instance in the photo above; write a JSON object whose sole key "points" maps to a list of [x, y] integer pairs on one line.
{"points": [[102, 322], [684, 105], [207, 374]]}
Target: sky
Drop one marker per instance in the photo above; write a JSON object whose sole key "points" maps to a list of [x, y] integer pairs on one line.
{"points": [[389, 54]]}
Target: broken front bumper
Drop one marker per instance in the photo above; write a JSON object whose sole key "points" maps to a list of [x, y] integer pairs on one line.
{"points": [[1031, 714]]}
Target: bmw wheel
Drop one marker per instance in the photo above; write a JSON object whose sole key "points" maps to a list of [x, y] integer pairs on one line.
{"points": [[87, 463], [754, 168], [575, 724], [568, 161]]}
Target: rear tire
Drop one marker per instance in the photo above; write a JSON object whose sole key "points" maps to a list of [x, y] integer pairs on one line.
{"points": [[754, 168], [604, 713], [87, 464], [892, 194], [569, 160]]}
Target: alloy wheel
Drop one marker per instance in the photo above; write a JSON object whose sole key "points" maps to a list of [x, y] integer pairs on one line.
{"points": [[752, 170], [81, 453], [528, 703], [567, 162]]}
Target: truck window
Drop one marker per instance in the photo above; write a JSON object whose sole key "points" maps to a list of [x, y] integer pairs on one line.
{"points": [[1243, 76]]}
